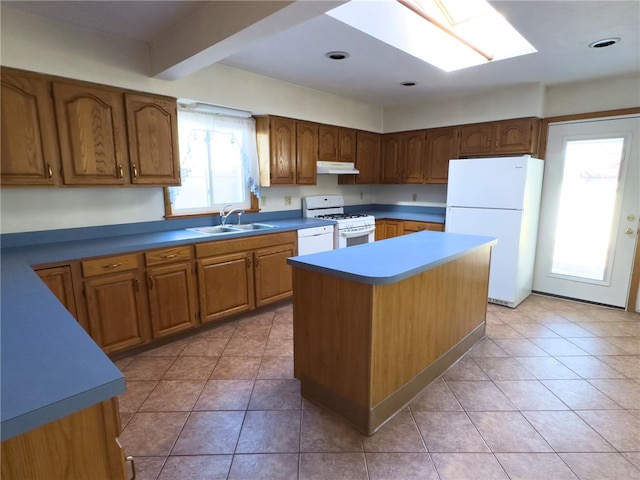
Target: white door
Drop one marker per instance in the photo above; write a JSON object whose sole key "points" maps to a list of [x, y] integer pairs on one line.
{"points": [[589, 210]]}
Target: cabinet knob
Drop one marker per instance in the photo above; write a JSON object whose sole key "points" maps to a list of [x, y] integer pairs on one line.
{"points": [[247, 260], [50, 171], [120, 172], [150, 282]]}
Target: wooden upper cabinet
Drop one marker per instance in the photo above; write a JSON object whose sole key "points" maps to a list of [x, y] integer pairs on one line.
{"points": [[392, 158], [153, 139], [346, 145], [92, 134], [368, 150], [29, 144], [276, 137], [515, 136], [336, 144], [413, 149], [306, 152], [442, 146]]}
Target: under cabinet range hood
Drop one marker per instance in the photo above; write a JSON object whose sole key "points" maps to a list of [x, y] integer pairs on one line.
{"points": [[336, 168]]}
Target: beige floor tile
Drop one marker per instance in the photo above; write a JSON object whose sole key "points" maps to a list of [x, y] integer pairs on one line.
{"points": [[569, 330], [405, 466], [597, 346], [480, 396], [600, 466], [279, 347], [196, 467], [628, 365], [236, 368], [218, 331], [400, 434], [631, 345], [437, 397], [134, 396], [465, 369], [619, 428], [265, 466], [276, 395], [633, 457], [276, 368], [486, 348], [270, 432], [191, 368], [172, 349], [530, 395], [152, 434], [558, 347], [534, 330], [468, 466], [590, 367], [173, 396], [282, 330], [520, 347], [498, 368], [535, 466], [508, 432], [547, 368], [449, 432], [625, 392], [209, 433], [580, 394], [148, 368], [334, 466], [567, 432], [243, 346], [225, 395], [147, 468], [205, 347], [323, 431]]}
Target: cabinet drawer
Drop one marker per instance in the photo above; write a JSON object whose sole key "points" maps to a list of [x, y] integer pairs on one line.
{"points": [[167, 255], [412, 226], [102, 266]]}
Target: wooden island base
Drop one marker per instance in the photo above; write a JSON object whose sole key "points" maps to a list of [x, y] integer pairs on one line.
{"points": [[364, 351]]}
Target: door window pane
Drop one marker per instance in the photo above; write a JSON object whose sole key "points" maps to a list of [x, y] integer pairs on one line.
{"points": [[588, 200]]}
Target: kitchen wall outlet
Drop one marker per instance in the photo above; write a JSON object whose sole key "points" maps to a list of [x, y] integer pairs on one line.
{"points": [[415, 197], [263, 201], [287, 200]]}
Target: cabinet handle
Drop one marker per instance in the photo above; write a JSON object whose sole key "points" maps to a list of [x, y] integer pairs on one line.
{"points": [[120, 172], [255, 262], [150, 282], [247, 260], [129, 458], [112, 265], [135, 171], [137, 282], [50, 170], [168, 256]]}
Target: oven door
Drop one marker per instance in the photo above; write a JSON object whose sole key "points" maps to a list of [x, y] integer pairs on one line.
{"points": [[350, 237]]}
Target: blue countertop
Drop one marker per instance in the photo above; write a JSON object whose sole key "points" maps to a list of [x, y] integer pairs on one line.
{"points": [[394, 259], [49, 366]]}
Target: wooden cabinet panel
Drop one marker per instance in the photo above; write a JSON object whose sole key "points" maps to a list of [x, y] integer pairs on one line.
{"points": [[391, 168], [388, 229], [517, 136], [113, 264], [166, 255], [153, 139], [79, 446], [411, 226], [413, 147], [172, 298], [442, 146], [306, 152], [276, 137], [29, 143], [273, 278], [368, 151], [336, 144], [92, 134], [225, 284], [476, 139], [60, 282], [116, 311], [346, 145]]}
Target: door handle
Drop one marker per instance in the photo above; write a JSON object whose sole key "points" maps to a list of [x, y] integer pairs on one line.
{"points": [[628, 231]]}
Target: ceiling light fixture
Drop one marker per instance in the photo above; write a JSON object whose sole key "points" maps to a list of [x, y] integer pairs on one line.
{"points": [[336, 55], [605, 42], [408, 84]]}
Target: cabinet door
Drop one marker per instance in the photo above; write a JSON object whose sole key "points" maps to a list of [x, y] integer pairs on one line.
{"points": [[116, 311], [29, 144], [153, 139], [394, 228], [392, 161], [171, 298], [273, 277], [306, 152], [60, 282], [380, 233], [476, 139], [442, 146], [346, 145], [282, 150], [517, 136], [226, 285], [413, 152], [328, 140], [92, 134], [412, 226], [367, 161]]}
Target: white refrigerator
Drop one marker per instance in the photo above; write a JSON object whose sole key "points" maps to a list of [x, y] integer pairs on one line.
{"points": [[499, 197]]}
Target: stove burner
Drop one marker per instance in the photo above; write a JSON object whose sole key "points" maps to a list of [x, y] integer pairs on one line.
{"points": [[342, 216]]}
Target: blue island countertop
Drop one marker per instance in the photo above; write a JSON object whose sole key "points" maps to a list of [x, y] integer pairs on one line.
{"points": [[394, 259], [49, 366]]}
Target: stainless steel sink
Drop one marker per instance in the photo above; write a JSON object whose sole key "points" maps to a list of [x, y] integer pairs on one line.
{"points": [[229, 229]]}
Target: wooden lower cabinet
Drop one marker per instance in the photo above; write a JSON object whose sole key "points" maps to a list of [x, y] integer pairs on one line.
{"points": [[225, 285], [412, 227], [60, 282], [79, 446], [273, 279], [388, 229]]}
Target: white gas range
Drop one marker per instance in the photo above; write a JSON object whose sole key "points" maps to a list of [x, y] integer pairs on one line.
{"points": [[350, 229]]}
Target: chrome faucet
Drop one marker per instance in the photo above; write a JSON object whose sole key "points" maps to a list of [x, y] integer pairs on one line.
{"points": [[224, 216]]}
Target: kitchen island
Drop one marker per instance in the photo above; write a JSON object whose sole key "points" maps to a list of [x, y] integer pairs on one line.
{"points": [[376, 323]]}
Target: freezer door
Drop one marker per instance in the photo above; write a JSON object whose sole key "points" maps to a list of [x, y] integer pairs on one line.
{"points": [[503, 225], [487, 182]]}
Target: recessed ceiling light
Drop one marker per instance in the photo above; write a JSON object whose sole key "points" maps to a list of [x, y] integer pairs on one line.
{"points": [[408, 84], [605, 42], [336, 55]]}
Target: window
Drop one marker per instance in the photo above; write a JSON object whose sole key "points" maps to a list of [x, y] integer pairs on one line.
{"points": [[218, 162]]}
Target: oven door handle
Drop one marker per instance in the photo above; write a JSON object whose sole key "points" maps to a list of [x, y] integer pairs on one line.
{"points": [[357, 233]]}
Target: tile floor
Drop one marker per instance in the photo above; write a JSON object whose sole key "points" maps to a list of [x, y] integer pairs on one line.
{"points": [[551, 392]]}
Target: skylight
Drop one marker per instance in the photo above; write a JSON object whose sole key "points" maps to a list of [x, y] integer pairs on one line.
{"points": [[449, 34]]}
